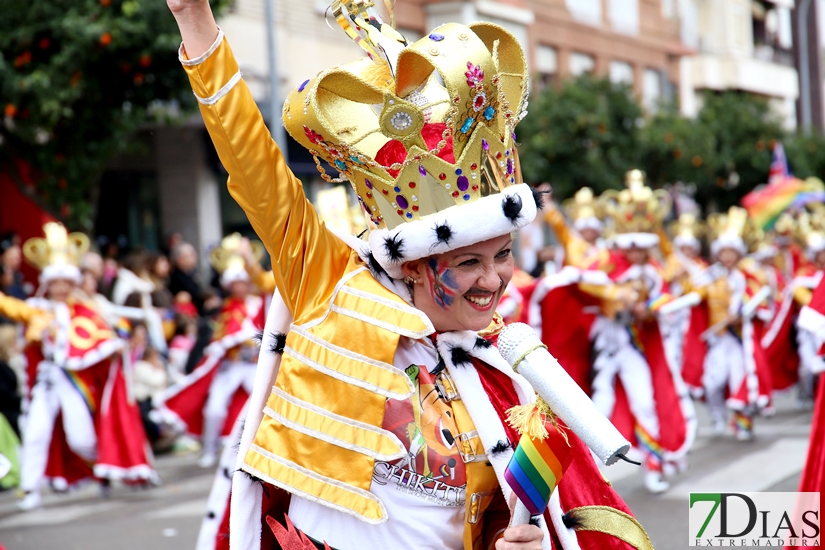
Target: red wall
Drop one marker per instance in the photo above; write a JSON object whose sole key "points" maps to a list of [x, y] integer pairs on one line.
{"points": [[21, 214]]}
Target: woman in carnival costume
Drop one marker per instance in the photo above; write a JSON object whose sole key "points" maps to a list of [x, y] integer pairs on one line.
{"points": [[634, 382], [735, 373], [812, 319], [206, 402], [81, 421], [383, 422]]}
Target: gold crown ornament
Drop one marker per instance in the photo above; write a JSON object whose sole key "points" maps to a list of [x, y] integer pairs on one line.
{"points": [[733, 229], [58, 254], [810, 229], [228, 260], [423, 132], [584, 210], [687, 230], [636, 211]]}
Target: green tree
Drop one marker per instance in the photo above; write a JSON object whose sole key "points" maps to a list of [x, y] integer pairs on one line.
{"points": [[590, 132], [806, 155], [743, 129], [77, 79], [582, 133]]}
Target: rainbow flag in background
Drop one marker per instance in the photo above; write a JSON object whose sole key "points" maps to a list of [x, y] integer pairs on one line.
{"points": [[783, 191], [766, 203], [537, 467]]}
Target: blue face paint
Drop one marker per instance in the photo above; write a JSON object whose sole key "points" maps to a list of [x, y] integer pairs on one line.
{"points": [[443, 286]]}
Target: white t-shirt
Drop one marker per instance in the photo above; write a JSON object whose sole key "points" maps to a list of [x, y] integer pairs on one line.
{"points": [[424, 493]]}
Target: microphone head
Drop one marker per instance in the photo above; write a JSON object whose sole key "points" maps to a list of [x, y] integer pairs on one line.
{"points": [[513, 339]]}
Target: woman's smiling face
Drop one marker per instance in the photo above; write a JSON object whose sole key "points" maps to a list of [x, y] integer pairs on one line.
{"points": [[460, 289]]}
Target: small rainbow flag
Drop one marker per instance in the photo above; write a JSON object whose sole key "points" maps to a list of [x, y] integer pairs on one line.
{"points": [[765, 204], [537, 467]]}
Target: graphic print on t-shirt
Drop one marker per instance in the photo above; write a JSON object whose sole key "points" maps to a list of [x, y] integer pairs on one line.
{"points": [[432, 469]]}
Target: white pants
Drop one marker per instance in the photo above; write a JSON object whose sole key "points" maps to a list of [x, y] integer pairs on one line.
{"points": [[231, 376], [724, 366], [621, 359], [632, 369], [52, 394], [810, 363]]}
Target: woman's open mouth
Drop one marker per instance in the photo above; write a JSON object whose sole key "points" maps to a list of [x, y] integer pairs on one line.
{"points": [[481, 303]]}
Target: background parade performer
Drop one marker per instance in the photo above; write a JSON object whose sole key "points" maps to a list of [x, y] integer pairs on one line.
{"points": [[812, 319], [736, 373], [207, 401], [388, 410], [634, 383], [81, 421]]}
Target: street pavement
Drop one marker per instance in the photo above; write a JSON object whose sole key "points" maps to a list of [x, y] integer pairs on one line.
{"points": [[168, 517]]}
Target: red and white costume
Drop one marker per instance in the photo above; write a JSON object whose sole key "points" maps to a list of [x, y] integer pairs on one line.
{"points": [[634, 383], [207, 401], [812, 319], [82, 420]]}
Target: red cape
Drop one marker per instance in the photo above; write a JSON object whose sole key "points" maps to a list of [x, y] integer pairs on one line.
{"points": [[182, 404]]}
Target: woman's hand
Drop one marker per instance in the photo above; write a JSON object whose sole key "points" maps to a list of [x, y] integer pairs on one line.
{"points": [[521, 537], [196, 23]]}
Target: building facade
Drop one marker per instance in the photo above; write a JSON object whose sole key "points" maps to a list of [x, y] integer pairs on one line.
{"points": [[744, 45]]}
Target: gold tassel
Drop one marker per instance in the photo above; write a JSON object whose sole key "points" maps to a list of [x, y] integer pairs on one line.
{"points": [[531, 419]]}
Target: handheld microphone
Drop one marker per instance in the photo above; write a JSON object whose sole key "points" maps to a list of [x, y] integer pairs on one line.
{"points": [[520, 346]]}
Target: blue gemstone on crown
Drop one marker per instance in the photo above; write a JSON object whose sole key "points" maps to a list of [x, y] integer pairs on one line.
{"points": [[489, 113], [341, 164], [468, 124], [436, 37], [303, 85]]}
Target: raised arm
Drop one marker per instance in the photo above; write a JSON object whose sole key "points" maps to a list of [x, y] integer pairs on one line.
{"points": [[17, 310], [259, 178]]}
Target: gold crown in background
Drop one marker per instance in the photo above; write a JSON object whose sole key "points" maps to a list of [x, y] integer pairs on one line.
{"points": [[59, 247], [687, 226], [810, 228], [637, 208], [583, 205], [734, 224], [227, 255], [416, 128]]}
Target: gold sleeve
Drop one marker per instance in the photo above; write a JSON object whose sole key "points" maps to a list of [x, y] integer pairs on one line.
{"points": [[575, 248], [555, 219], [307, 259], [802, 295], [261, 278], [665, 244], [17, 310], [608, 294]]}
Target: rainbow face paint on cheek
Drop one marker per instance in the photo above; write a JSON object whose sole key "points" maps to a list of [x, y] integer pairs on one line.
{"points": [[443, 286]]}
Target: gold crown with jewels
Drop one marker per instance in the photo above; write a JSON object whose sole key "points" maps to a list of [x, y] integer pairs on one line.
{"points": [[57, 248], [637, 208], [415, 128]]}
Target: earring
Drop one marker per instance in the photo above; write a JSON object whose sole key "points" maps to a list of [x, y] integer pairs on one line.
{"points": [[410, 281], [500, 282]]}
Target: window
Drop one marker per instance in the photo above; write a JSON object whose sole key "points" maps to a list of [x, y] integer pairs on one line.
{"points": [[624, 16], [651, 90], [581, 63], [547, 64], [621, 73], [586, 11]]}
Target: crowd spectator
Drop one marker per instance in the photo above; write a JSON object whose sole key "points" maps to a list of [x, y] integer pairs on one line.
{"points": [[184, 276], [133, 277], [11, 257]]}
